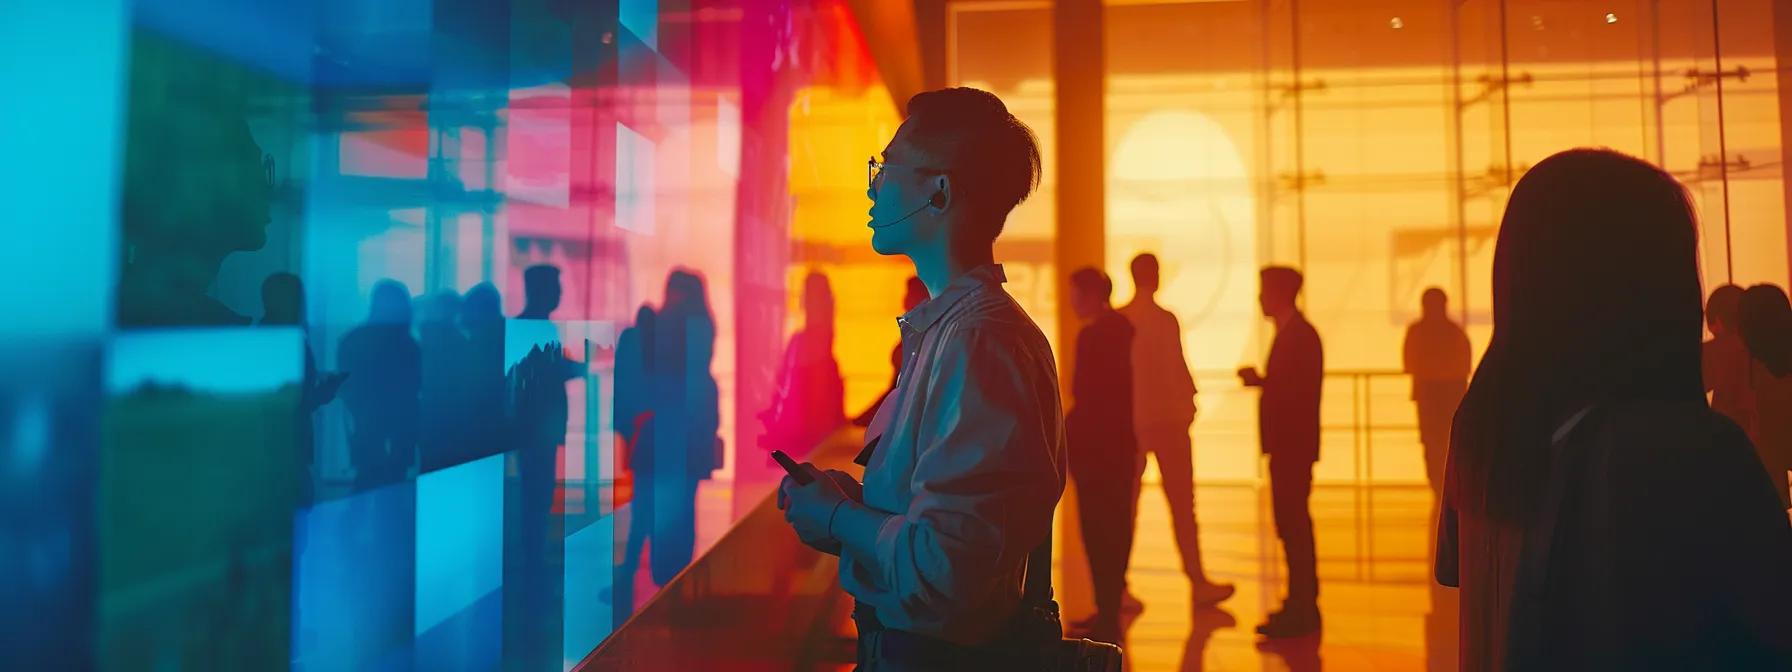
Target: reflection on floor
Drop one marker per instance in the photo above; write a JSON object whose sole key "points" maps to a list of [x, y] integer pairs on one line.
{"points": [[1382, 610]]}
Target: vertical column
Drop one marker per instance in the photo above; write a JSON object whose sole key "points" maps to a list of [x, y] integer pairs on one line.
{"points": [[1782, 54], [1079, 67], [64, 120], [1079, 70]]}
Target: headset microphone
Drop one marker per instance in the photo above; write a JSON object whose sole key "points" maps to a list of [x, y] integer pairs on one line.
{"points": [[937, 197]]}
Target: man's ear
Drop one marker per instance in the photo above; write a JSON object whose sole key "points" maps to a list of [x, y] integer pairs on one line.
{"points": [[942, 195]]}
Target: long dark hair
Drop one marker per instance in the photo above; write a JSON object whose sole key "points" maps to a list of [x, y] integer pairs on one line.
{"points": [[1596, 298], [686, 326], [1766, 320]]}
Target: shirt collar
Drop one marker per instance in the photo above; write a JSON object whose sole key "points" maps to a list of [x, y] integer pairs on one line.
{"points": [[924, 316]]}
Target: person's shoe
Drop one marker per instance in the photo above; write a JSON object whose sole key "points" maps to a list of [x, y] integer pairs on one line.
{"points": [[1131, 606], [1207, 593], [1291, 624]]}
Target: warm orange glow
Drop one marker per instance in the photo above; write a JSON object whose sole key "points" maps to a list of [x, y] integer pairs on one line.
{"points": [[1395, 180], [832, 133]]}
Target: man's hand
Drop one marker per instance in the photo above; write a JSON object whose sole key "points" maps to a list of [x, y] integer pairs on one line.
{"points": [[854, 490], [1250, 377], [809, 508]]}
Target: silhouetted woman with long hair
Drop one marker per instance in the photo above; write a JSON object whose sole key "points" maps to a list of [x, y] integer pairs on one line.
{"points": [[686, 424], [810, 402], [1597, 514], [1766, 320]]}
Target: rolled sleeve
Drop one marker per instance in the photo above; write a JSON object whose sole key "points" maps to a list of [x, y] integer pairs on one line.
{"points": [[986, 479]]}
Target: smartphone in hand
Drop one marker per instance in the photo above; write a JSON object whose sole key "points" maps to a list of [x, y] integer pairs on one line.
{"points": [[791, 467]]}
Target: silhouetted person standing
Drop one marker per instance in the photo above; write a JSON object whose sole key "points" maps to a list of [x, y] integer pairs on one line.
{"points": [[964, 462], [631, 411], [1163, 413], [385, 376], [538, 388], [1288, 426], [1597, 515], [686, 448], [1766, 321], [1437, 356], [1104, 451], [447, 377], [915, 293], [482, 320], [810, 402], [534, 326], [1727, 365], [197, 188], [283, 305], [539, 414]]}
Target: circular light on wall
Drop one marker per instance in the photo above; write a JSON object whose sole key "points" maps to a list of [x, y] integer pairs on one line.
{"points": [[1396, 23], [1611, 18]]}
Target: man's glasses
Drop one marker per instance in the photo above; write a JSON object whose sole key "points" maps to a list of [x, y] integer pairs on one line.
{"points": [[874, 170], [267, 169]]}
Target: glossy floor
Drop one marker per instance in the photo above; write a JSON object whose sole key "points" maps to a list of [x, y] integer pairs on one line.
{"points": [[1382, 610]]}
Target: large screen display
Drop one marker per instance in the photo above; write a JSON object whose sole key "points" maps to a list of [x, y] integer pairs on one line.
{"points": [[395, 334]]}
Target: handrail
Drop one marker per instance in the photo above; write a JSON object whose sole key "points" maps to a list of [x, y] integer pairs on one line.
{"points": [[780, 593], [1362, 427]]}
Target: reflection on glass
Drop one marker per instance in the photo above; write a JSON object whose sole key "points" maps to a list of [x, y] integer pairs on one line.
{"points": [[199, 478], [367, 386]]}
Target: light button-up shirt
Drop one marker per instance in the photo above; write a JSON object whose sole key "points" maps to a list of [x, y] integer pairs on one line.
{"points": [[964, 464]]}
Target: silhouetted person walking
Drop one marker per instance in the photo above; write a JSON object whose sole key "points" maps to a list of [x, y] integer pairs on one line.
{"points": [[1597, 514], [632, 419], [915, 293], [385, 375], [1766, 321], [1726, 364], [964, 461], [1163, 413], [1288, 426], [1104, 451], [1437, 357], [810, 402]]}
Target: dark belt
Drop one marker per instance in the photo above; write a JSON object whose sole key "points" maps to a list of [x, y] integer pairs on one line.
{"points": [[908, 650]]}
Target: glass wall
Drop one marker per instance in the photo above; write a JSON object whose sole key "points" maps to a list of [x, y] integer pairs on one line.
{"points": [[1005, 47], [410, 335], [1373, 145]]}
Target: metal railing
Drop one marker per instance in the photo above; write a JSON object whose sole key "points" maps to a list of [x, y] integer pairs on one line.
{"points": [[1357, 416]]}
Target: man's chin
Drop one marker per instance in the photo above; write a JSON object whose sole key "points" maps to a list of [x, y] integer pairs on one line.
{"points": [[882, 242]]}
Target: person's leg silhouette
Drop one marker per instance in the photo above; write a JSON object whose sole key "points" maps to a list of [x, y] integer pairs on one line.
{"points": [[1291, 486]]}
